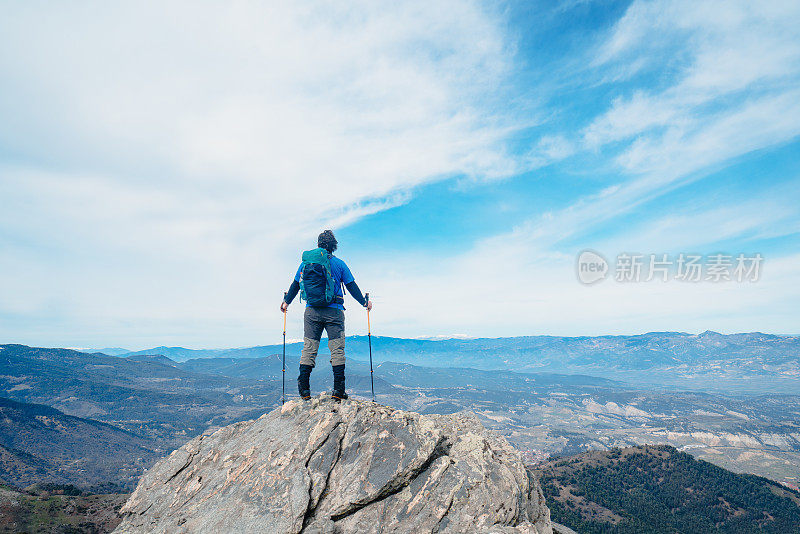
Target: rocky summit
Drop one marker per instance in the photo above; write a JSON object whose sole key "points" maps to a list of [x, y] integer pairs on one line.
{"points": [[319, 466]]}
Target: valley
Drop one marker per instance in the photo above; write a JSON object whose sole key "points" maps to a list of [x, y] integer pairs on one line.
{"points": [[547, 405]]}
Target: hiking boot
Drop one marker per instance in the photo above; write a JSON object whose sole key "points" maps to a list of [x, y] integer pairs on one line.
{"points": [[338, 383], [302, 382]]}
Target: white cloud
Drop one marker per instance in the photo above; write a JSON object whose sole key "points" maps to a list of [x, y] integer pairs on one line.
{"points": [[714, 50], [731, 71], [165, 162], [767, 121], [734, 70], [499, 289], [707, 221]]}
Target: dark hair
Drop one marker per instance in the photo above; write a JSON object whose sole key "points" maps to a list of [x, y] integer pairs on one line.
{"points": [[327, 241]]}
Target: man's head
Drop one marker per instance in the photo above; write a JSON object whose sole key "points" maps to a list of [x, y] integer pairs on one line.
{"points": [[327, 241]]}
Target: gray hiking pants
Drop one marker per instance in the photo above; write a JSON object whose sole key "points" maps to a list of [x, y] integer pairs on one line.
{"points": [[315, 321]]}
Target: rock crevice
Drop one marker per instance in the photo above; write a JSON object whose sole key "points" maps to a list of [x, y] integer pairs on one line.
{"points": [[396, 484], [323, 467], [316, 491]]}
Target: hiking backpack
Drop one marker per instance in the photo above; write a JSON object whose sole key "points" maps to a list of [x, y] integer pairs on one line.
{"points": [[316, 280]]}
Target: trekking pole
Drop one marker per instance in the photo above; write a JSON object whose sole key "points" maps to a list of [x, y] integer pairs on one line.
{"points": [[283, 380], [369, 338]]}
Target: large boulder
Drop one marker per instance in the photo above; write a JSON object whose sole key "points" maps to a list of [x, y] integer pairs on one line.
{"points": [[324, 467]]}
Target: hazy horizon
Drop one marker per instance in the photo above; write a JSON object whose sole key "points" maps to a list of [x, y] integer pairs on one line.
{"points": [[420, 338]]}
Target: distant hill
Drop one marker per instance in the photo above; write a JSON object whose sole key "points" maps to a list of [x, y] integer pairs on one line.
{"points": [[155, 358], [660, 490], [178, 354], [402, 374], [436, 377], [748, 361], [41, 444], [110, 351], [151, 397]]}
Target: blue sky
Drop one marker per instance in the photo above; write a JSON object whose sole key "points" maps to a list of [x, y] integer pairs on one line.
{"points": [[162, 167]]}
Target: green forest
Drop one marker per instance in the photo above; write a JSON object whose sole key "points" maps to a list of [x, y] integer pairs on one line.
{"points": [[660, 490]]}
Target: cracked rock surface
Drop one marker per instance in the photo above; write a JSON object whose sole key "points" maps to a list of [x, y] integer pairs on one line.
{"points": [[319, 466]]}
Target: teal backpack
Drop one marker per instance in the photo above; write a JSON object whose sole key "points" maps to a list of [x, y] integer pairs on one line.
{"points": [[316, 281]]}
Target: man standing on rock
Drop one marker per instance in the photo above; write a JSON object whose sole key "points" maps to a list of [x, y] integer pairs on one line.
{"points": [[319, 280]]}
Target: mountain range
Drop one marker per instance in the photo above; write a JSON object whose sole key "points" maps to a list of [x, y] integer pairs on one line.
{"points": [[146, 397], [97, 420], [707, 361], [543, 413]]}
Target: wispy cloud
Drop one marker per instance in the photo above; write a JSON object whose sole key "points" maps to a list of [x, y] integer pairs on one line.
{"points": [[732, 71], [718, 55], [193, 136], [161, 165], [694, 86]]}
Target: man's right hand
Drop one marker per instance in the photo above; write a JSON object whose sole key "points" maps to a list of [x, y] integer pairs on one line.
{"points": [[369, 305], [284, 306]]}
